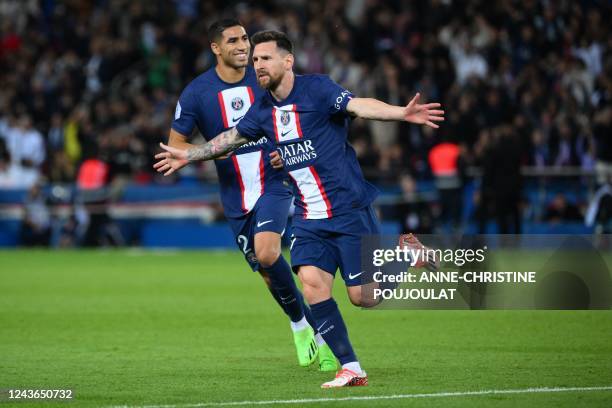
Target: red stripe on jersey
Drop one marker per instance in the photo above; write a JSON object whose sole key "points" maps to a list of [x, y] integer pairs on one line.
{"points": [[274, 123], [251, 96], [305, 215], [223, 113], [297, 121], [261, 171], [322, 190], [240, 182]]}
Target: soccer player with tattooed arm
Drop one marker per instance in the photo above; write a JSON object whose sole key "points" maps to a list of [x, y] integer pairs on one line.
{"points": [[256, 198], [307, 117]]}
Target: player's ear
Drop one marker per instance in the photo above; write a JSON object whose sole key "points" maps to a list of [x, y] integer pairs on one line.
{"points": [[215, 48], [289, 60]]}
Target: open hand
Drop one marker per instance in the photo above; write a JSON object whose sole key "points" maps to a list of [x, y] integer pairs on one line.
{"points": [[425, 114], [170, 160]]}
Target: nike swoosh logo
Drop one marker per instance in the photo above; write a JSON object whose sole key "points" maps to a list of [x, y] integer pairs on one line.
{"points": [[283, 134], [238, 118], [285, 298], [259, 224], [319, 328], [354, 276]]}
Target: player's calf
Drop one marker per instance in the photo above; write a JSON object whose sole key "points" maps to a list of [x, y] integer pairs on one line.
{"points": [[361, 295]]}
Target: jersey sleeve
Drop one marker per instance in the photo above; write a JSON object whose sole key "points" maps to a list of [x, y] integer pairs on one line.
{"points": [[185, 114], [333, 97], [249, 126]]}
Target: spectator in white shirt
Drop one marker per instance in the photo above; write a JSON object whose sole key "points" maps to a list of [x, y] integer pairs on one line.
{"points": [[26, 147]]}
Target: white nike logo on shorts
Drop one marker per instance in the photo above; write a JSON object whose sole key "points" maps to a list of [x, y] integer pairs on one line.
{"points": [[354, 276], [259, 224]]}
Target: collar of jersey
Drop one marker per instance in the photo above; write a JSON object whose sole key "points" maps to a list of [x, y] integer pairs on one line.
{"points": [[230, 83]]}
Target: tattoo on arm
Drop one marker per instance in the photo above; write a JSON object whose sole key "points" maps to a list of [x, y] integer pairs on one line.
{"points": [[223, 143]]}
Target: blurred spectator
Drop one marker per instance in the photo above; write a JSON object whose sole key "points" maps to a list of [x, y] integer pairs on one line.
{"points": [[72, 230], [447, 166], [560, 210], [55, 137], [367, 156], [93, 181], [5, 159], [36, 223], [386, 88], [599, 211], [414, 211], [500, 193], [603, 145], [26, 150], [540, 156]]}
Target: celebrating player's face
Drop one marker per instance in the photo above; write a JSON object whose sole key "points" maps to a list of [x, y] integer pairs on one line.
{"points": [[234, 47], [270, 64]]}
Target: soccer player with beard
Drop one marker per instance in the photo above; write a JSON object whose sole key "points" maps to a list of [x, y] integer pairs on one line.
{"points": [[256, 198], [307, 116]]}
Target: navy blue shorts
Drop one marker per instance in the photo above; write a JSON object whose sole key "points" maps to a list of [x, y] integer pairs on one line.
{"points": [[269, 214], [333, 243]]}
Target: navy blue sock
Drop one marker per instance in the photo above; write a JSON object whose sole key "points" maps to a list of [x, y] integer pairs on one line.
{"points": [[331, 326], [284, 289], [276, 297], [308, 314]]}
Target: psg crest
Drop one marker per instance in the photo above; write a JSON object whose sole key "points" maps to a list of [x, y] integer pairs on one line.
{"points": [[251, 257], [285, 118], [237, 103]]}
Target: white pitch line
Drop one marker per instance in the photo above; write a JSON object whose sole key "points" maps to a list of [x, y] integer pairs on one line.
{"points": [[376, 397]]}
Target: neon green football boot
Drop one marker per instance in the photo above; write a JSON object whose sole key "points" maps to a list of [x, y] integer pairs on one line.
{"points": [[327, 360], [306, 346]]}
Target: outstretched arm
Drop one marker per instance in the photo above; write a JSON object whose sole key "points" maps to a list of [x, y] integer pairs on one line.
{"points": [[220, 145], [421, 114], [173, 159]]}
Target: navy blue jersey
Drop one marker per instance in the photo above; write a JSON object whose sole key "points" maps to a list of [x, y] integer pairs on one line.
{"points": [[310, 129], [213, 106]]}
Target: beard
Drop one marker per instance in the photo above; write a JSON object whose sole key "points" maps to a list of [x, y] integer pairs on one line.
{"points": [[269, 82]]}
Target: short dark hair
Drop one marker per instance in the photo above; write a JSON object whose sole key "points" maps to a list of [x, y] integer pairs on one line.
{"points": [[281, 39], [216, 29]]}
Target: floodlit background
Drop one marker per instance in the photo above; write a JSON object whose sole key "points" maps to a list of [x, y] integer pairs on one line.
{"points": [[89, 87]]}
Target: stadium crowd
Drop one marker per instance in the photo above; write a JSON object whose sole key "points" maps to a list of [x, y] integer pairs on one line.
{"points": [[523, 82]]}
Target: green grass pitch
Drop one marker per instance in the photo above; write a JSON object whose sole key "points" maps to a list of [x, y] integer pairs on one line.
{"points": [[151, 328]]}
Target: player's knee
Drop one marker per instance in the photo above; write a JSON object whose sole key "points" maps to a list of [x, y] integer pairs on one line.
{"points": [[309, 281], [267, 255], [314, 288]]}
